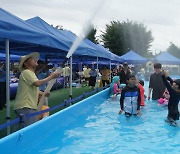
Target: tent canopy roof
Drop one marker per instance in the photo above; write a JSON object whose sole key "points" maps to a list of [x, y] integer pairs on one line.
{"points": [[133, 58], [166, 58], [113, 56], [83, 49], [24, 36]]}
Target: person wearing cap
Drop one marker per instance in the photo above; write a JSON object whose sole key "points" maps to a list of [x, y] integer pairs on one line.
{"points": [[28, 92], [174, 92]]}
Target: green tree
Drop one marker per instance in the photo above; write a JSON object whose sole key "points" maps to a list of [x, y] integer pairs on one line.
{"points": [[92, 36], [120, 37], [174, 50]]}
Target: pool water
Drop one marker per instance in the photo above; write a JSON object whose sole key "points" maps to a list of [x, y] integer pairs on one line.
{"points": [[101, 130], [94, 126]]}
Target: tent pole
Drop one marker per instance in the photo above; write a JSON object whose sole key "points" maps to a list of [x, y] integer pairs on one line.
{"points": [[7, 86], [110, 71], [80, 70], [70, 95], [97, 63], [97, 66]]}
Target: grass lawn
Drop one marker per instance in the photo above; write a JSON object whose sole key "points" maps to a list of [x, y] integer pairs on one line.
{"points": [[56, 97]]}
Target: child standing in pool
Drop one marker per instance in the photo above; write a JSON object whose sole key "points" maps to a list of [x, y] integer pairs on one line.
{"points": [[114, 87], [130, 98], [141, 88], [174, 92]]}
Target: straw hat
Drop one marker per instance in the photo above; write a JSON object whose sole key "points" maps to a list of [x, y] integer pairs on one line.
{"points": [[34, 55]]}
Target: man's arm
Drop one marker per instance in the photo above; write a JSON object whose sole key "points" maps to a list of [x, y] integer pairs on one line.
{"points": [[170, 80], [45, 80], [166, 83]]}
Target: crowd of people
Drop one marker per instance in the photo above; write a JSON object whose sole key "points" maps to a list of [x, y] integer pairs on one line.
{"points": [[132, 95], [123, 80]]}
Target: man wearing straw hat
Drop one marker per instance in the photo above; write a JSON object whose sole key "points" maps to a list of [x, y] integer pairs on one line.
{"points": [[28, 91]]}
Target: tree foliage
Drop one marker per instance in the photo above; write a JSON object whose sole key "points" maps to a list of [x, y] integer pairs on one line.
{"points": [[92, 36], [120, 37], [174, 50]]}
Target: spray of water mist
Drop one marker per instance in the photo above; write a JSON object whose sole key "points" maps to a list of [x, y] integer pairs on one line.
{"points": [[86, 30]]}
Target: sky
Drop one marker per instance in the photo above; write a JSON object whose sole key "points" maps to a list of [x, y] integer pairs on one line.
{"points": [[162, 17]]}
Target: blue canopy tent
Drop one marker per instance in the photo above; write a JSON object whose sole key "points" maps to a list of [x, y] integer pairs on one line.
{"points": [[133, 58], [18, 35], [83, 49], [168, 59], [99, 53], [104, 56], [24, 36], [109, 56], [113, 57]]}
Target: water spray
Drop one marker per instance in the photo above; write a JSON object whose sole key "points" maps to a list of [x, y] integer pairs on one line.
{"points": [[86, 30], [76, 43]]}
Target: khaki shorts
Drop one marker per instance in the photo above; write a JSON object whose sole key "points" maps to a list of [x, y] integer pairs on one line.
{"points": [[27, 121]]}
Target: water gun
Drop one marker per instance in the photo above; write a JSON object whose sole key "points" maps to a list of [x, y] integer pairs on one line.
{"points": [[48, 89]]}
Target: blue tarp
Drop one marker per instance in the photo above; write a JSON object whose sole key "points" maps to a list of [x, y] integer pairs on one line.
{"points": [[96, 47], [168, 59], [73, 37], [24, 36], [103, 53], [85, 59], [83, 49], [133, 58], [113, 56], [99, 53]]}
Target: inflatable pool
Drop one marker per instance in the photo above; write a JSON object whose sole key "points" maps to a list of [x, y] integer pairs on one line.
{"points": [[22, 140], [94, 126]]}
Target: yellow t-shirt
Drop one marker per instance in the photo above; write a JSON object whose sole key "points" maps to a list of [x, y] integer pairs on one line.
{"points": [[105, 74], [66, 71], [86, 72], [27, 93]]}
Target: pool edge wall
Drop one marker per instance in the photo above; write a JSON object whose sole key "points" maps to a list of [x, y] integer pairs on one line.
{"points": [[23, 139]]}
